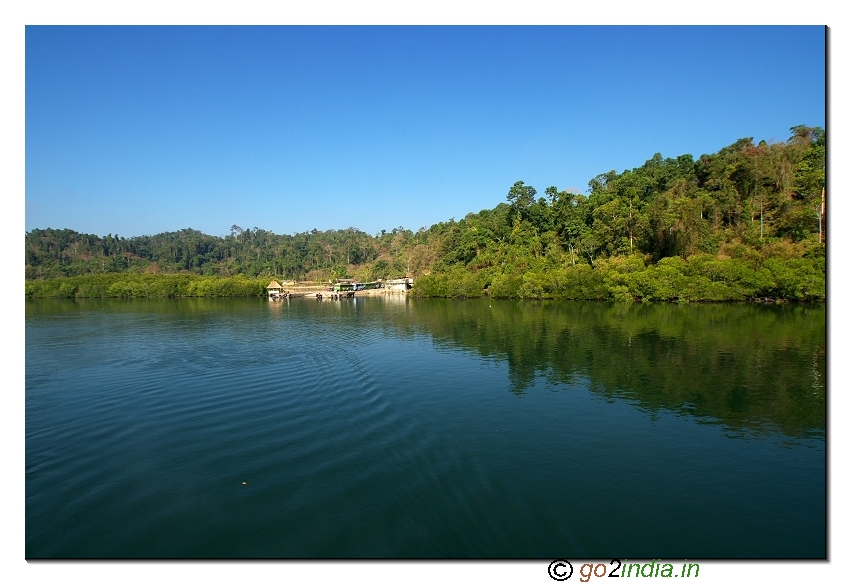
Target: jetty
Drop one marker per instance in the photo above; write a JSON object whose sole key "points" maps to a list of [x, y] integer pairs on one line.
{"points": [[336, 290]]}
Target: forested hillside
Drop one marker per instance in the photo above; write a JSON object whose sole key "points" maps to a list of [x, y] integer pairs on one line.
{"points": [[745, 222]]}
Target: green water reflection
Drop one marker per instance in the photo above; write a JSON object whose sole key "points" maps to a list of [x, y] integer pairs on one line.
{"points": [[749, 367]]}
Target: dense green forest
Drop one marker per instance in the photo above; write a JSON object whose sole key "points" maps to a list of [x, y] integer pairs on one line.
{"points": [[746, 222]]}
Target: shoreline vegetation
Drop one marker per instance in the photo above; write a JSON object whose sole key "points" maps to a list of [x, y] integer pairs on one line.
{"points": [[744, 224], [168, 285]]}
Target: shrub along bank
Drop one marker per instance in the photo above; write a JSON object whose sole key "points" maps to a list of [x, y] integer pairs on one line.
{"points": [[697, 278], [131, 285]]}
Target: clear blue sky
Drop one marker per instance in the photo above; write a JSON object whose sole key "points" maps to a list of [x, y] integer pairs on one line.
{"points": [[140, 130]]}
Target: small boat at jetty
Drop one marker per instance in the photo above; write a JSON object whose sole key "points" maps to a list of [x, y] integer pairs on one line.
{"points": [[351, 285]]}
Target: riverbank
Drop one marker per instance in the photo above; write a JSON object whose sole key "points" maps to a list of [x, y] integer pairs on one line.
{"points": [[147, 285], [701, 278]]}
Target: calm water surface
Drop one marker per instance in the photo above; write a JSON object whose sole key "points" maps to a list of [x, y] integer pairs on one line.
{"points": [[423, 428]]}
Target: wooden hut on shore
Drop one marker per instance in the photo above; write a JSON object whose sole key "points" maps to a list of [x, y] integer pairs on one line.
{"points": [[275, 290]]}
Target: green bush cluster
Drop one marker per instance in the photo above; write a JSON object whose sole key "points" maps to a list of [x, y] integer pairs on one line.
{"points": [[131, 285], [457, 283], [698, 278]]}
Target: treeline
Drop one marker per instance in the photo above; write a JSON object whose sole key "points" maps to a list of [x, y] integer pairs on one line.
{"points": [[250, 252], [746, 222]]}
